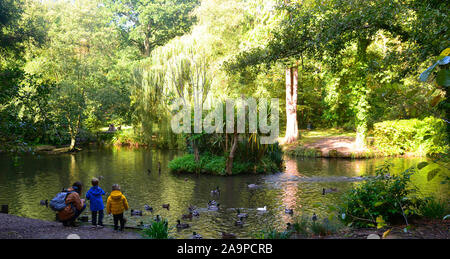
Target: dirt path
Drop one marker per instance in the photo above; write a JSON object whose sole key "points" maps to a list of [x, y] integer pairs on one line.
{"points": [[328, 143], [342, 144], [15, 227]]}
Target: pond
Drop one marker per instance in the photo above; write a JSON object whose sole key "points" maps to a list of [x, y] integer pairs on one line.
{"points": [[27, 179]]}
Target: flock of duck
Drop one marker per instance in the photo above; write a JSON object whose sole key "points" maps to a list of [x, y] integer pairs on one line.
{"points": [[211, 206], [214, 206], [193, 212]]}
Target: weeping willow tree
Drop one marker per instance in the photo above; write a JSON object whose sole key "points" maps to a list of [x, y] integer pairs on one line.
{"points": [[179, 69], [147, 96], [189, 75]]}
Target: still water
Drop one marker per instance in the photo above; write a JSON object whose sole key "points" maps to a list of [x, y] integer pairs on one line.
{"points": [[27, 179]]}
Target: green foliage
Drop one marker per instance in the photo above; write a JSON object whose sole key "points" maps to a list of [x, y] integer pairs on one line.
{"points": [[125, 137], [382, 198], [422, 137], [361, 52], [148, 24], [214, 164], [433, 209], [301, 225], [157, 230], [70, 66], [301, 151], [307, 227], [184, 163], [272, 234], [324, 227]]}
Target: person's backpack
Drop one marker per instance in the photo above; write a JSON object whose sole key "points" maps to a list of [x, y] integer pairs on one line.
{"points": [[58, 203]]}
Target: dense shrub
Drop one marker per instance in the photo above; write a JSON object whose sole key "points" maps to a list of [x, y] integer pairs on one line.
{"points": [[301, 151], [272, 234], [323, 228], [213, 164], [183, 164], [381, 199], [433, 209], [421, 137], [125, 136], [320, 227]]}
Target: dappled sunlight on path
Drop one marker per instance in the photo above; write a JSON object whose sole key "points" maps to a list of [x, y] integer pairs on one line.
{"points": [[342, 144]]}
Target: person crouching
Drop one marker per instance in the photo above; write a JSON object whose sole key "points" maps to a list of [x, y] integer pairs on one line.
{"points": [[75, 205]]}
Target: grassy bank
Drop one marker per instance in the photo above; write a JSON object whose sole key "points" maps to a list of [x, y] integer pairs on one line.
{"points": [[412, 137], [216, 165]]}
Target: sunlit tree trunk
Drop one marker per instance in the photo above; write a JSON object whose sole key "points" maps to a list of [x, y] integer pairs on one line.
{"points": [[72, 142], [73, 131], [291, 105], [362, 93]]}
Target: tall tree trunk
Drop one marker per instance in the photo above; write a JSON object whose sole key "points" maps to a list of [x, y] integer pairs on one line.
{"points": [[196, 152], [230, 158], [362, 93], [291, 105], [73, 131], [73, 139]]}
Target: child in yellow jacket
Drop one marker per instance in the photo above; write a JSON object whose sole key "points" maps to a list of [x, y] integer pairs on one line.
{"points": [[116, 205]]}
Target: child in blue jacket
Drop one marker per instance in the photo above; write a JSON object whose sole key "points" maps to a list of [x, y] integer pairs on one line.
{"points": [[94, 195]]}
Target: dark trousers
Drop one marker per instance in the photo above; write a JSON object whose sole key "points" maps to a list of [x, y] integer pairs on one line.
{"points": [[117, 218], [77, 213], [100, 217]]}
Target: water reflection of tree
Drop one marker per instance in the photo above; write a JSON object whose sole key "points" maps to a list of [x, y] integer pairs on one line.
{"points": [[290, 190]]}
